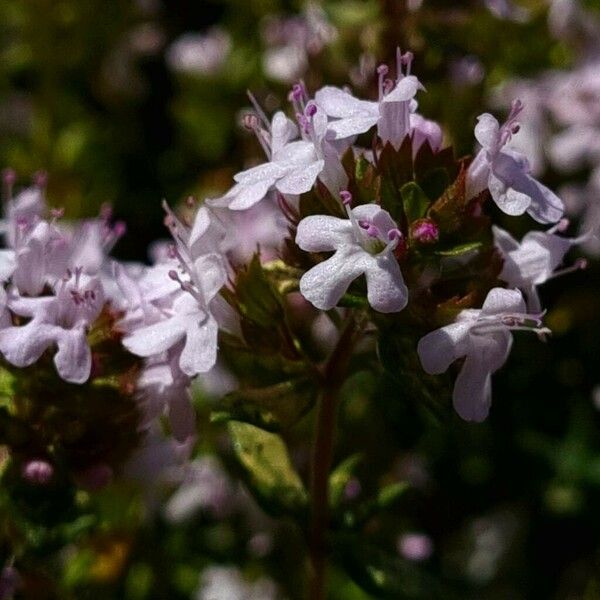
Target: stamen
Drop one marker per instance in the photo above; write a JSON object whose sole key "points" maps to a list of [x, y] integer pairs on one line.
{"points": [[346, 197], [407, 60], [259, 111], [382, 71], [311, 110], [579, 265], [561, 226]]}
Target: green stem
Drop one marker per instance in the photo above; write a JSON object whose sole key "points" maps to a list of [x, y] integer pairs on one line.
{"points": [[333, 377]]}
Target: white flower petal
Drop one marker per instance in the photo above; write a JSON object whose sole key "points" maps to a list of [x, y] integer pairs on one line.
{"points": [[199, 354], [248, 195], [503, 240], [500, 300], [472, 395], [386, 290], [22, 346], [440, 348], [341, 105], [322, 233], [74, 358], [487, 131], [404, 90], [300, 180], [155, 338], [509, 200], [270, 172], [211, 274], [283, 130], [345, 128], [326, 283]]}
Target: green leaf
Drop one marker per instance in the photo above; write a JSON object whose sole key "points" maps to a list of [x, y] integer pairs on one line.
{"points": [[460, 250], [339, 478], [272, 408], [384, 574], [257, 300], [414, 200], [268, 469]]}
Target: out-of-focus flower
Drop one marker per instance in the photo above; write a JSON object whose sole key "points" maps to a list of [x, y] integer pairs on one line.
{"points": [[228, 583], [415, 546], [205, 487], [37, 471], [292, 40], [363, 244], [199, 53], [466, 71], [483, 336], [507, 9], [583, 201], [60, 320], [10, 580]]}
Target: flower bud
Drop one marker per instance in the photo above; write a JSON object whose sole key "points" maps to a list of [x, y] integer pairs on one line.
{"points": [[424, 231], [37, 471]]}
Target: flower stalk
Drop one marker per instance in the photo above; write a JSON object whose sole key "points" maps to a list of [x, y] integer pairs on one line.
{"points": [[334, 374]]}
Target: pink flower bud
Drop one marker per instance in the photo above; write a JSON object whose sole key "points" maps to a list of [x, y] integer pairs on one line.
{"points": [[424, 231], [37, 472]]}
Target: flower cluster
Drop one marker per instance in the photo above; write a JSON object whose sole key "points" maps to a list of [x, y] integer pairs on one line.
{"points": [[395, 232], [379, 213]]}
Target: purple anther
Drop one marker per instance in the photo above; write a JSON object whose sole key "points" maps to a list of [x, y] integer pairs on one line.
{"points": [[581, 263], [37, 472], [250, 121], [120, 228], [297, 92], [515, 128], [173, 275], [425, 231], [407, 58], [311, 110], [516, 106], [346, 197], [382, 70], [394, 234], [57, 213]]}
